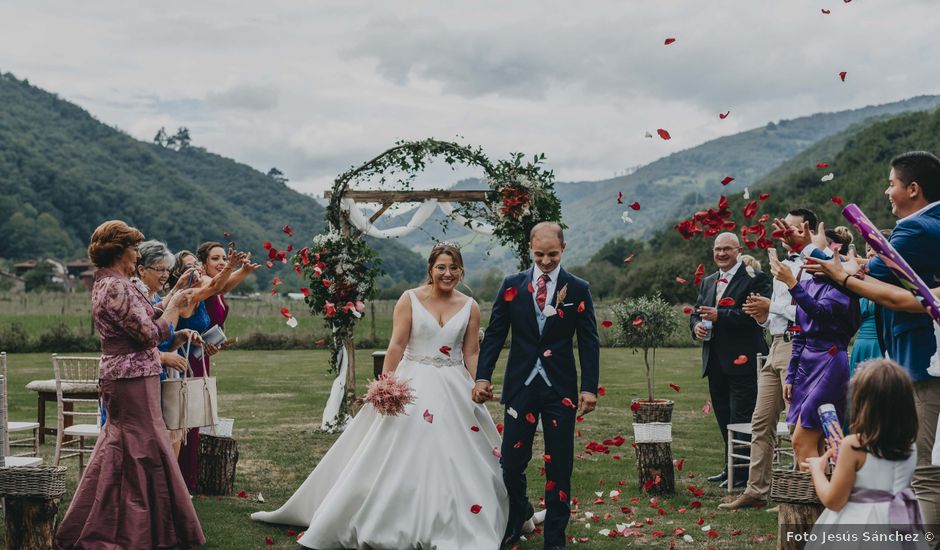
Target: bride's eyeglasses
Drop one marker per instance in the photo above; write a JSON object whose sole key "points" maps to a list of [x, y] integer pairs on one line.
{"points": [[441, 269]]}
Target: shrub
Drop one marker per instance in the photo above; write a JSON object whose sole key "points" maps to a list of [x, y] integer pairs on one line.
{"points": [[646, 323], [14, 338]]}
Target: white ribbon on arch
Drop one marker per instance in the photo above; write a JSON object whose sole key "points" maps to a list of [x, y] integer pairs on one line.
{"points": [[421, 214]]}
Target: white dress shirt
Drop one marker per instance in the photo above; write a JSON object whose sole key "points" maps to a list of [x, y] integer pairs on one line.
{"points": [[782, 308], [725, 276], [540, 317]]}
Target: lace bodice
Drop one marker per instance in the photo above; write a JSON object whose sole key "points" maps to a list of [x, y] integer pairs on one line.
{"points": [[428, 337]]}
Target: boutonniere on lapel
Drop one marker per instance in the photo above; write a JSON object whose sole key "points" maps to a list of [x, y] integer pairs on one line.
{"points": [[550, 310]]}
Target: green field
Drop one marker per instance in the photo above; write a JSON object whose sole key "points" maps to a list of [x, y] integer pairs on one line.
{"points": [[277, 398]]}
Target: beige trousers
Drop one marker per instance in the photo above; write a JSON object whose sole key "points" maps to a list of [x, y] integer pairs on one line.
{"points": [[770, 404], [926, 481]]}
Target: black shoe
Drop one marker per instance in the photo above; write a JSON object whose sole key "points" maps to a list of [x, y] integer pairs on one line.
{"points": [[738, 484], [718, 478], [511, 537]]}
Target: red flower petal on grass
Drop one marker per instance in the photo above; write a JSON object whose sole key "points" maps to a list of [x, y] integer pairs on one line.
{"points": [[837, 200], [669, 41], [428, 417], [727, 180], [601, 391], [742, 359], [638, 322], [635, 205], [511, 292], [445, 350], [680, 463], [663, 134], [268, 541], [842, 75], [475, 509], [726, 302], [699, 273], [723, 116], [530, 418], [674, 386], [288, 230], [712, 534], [606, 323]]}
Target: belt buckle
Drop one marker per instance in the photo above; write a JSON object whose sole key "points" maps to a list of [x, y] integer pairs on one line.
{"points": [[786, 336]]}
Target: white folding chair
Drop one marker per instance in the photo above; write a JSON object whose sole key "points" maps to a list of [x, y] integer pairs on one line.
{"points": [[72, 372], [32, 442]]}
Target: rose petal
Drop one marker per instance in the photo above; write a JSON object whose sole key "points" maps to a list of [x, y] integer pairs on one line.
{"points": [[581, 306], [601, 391], [669, 41], [288, 230], [635, 205], [475, 509], [699, 273], [547, 353], [663, 134], [822, 165], [723, 116], [445, 350], [619, 197], [726, 302], [428, 417], [638, 322], [674, 386], [530, 418], [742, 359], [764, 196], [510, 294], [837, 200], [842, 75], [727, 180], [629, 258], [607, 323]]}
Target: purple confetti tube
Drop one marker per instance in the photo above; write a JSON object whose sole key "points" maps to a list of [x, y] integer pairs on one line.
{"points": [[831, 428], [908, 278]]}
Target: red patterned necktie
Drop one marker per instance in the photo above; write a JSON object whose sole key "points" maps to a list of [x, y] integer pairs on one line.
{"points": [[542, 292]]}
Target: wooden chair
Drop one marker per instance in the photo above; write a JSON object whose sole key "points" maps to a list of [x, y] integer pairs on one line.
{"points": [[68, 371], [6, 460], [32, 442]]}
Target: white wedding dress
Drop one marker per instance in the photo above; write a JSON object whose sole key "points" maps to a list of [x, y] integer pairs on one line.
{"points": [[410, 481]]}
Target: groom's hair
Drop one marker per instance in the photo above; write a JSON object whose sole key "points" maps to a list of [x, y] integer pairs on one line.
{"points": [[559, 232]]}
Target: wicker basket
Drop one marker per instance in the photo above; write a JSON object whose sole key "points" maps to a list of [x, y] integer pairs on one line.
{"points": [[793, 487], [32, 481]]}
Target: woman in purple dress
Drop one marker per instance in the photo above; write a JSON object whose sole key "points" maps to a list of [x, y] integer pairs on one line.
{"points": [[827, 318], [132, 494]]}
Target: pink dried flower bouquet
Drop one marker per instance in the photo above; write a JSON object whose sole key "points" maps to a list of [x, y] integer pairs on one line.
{"points": [[389, 395]]}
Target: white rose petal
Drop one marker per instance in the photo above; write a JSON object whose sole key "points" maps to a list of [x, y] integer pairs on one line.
{"points": [[626, 217], [621, 527], [828, 177], [599, 493], [604, 532], [512, 412], [747, 194], [549, 310], [259, 498], [292, 322], [615, 493], [707, 527], [688, 538]]}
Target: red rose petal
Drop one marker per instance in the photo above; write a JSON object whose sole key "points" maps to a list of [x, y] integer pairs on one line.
{"points": [[568, 403], [549, 485], [268, 541], [288, 230], [327, 283], [562, 496], [638, 322], [607, 324], [726, 302], [842, 75], [688, 310], [474, 428], [764, 196], [428, 417], [547, 459], [822, 165], [727, 180], [305, 291], [581, 306], [601, 391], [663, 134], [674, 386], [445, 350], [699, 273], [635, 406], [547, 353], [619, 197], [475, 509], [833, 350], [669, 41], [629, 258], [530, 418], [499, 428], [825, 11], [681, 281], [680, 464], [723, 116], [837, 200], [742, 359], [510, 293], [635, 205], [518, 445]]}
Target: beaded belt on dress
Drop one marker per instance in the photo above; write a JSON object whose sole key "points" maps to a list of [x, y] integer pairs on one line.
{"points": [[435, 360]]}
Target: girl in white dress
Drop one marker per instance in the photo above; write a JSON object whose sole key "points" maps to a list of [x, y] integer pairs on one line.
{"points": [[428, 478], [871, 484]]}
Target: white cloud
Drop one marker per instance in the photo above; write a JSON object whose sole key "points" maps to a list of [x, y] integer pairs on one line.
{"points": [[314, 88]]}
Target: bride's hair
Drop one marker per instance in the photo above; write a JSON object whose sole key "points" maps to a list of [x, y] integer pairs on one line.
{"points": [[451, 250]]}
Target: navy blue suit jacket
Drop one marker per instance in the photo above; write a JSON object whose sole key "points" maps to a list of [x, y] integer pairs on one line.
{"points": [[527, 346], [909, 337]]}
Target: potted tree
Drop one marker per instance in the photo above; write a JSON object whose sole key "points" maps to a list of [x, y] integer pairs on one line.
{"points": [[645, 324]]}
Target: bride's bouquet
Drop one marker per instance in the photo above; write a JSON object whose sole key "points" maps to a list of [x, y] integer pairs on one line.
{"points": [[389, 395]]}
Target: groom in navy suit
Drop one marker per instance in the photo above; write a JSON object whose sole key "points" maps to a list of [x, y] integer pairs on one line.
{"points": [[546, 307]]}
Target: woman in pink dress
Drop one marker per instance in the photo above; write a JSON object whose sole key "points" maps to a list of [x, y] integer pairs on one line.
{"points": [[132, 494]]}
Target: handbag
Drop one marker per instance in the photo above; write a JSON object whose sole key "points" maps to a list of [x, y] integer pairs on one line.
{"points": [[189, 401]]}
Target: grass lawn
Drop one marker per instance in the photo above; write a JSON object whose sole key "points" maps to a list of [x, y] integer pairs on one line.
{"points": [[277, 398]]}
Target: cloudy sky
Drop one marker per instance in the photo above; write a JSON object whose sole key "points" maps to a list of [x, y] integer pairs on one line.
{"points": [[313, 87]]}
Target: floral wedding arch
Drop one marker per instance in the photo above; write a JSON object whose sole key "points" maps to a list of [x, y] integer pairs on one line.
{"points": [[341, 268]]}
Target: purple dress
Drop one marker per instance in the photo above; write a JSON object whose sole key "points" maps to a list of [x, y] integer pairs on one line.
{"points": [[819, 366]]}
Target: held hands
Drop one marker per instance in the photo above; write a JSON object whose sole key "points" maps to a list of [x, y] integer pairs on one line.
{"points": [[757, 306], [482, 392], [587, 402]]}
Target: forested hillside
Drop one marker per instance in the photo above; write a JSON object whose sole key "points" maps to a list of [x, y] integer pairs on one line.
{"points": [[62, 172]]}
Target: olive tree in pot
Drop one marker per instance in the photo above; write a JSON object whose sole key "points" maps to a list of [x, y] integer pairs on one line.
{"points": [[645, 324]]}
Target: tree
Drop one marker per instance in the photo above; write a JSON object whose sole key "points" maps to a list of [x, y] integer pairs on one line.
{"points": [[616, 250], [39, 279], [182, 138], [161, 137], [277, 176]]}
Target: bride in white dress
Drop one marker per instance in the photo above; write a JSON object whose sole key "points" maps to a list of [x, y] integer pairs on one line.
{"points": [[426, 479]]}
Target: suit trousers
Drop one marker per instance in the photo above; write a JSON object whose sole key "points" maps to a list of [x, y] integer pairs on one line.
{"points": [[926, 482], [733, 399], [770, 381], [518, 434]]}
